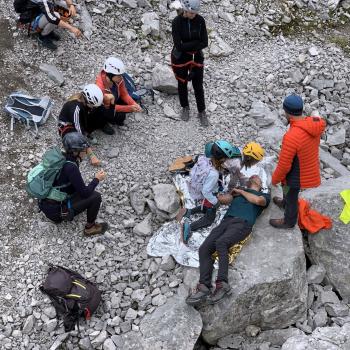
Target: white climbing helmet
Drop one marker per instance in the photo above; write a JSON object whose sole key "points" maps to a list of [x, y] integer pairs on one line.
{"points": [[93, 95], [114, 66], [191, 5]]}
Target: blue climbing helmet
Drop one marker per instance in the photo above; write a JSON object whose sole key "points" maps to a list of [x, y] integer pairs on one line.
{"points": [[207, 149], [228, 150]]}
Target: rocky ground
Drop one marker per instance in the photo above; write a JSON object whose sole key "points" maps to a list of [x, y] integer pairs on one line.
{"points": [[259, 51]]}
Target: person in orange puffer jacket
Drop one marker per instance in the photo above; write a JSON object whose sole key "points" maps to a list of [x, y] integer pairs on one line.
{"points": [[298, 164], [116, 100]]}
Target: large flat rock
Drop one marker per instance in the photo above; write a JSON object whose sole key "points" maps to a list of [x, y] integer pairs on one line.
{"points": [[331, 248], [173, 326], [268, 281]]}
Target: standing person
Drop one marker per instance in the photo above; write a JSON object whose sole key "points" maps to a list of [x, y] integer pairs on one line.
{"points": [[116, 99], [80, 196], [203, 187], [245, 206], [298, 164], [190, 38], [43, 17], [80, 114], [251, 154]]}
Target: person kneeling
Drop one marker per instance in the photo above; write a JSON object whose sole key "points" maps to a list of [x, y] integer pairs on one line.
{"points": [[245, 206], [80, 196]]}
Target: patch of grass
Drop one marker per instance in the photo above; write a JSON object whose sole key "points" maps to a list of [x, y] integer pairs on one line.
{"points": [[341, 41]]}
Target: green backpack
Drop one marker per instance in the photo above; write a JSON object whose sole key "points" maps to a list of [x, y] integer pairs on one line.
{"points": [[40, 179]]}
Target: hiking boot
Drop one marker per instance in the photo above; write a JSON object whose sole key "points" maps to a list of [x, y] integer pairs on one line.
{"points": [[279, 223], [186, 231], [96, 229], [183, 212], [203, 119], [280, 202], [107, 129], [54, 36], [199, 296], [185, 114], [46, 42], [222, 288]]}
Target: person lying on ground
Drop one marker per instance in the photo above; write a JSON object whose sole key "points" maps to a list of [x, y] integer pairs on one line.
{"points": [[203, 187], [116, 100], [298, 163], [44, 17], [80, 197], [80, 113], [245, 205], [251, 154]]}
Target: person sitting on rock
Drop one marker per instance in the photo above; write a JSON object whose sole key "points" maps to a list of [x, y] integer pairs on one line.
{"points": [[203, 187], [245, 205], [298, 164], [80, 196], [116, 99], [43, 17], [250, 155], [80, 113]]}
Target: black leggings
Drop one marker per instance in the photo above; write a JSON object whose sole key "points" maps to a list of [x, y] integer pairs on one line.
{"points": [[229, 232], [206, 220], [53, 210]]}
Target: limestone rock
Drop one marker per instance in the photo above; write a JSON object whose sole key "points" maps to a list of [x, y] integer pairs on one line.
{"points": [[315, 274], [53, 73], [150, 24], [166, 198], [218, 47], [28, 325], [326, 338], [269, 279], [144, 228], [331, 248], [137, 200], [337, 310], [336, 136], [163, 79]]}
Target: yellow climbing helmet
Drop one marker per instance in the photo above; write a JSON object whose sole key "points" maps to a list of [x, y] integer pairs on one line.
{"points": [[254, 150]]}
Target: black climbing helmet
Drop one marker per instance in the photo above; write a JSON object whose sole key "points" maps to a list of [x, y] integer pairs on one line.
{"points": [[75, 142]]}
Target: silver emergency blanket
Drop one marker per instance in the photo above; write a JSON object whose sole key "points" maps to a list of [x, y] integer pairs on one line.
{"points": [[167, 240]]}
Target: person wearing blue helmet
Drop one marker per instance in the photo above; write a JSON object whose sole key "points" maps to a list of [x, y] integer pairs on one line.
{"points": [[203, 187]]}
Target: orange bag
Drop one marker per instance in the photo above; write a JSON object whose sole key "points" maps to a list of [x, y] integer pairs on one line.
{"points": [[310, 219]]}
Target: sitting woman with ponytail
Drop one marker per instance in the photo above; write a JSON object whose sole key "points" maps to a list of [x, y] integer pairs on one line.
{"points": [[80, 113]]}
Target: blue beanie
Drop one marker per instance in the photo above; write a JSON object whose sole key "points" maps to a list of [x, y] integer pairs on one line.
{"points": [[293, 104]]}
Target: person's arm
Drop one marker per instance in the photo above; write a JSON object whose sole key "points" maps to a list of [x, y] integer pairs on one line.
{"points": [[285, 160], [209, 186], [181, 46], [76, 180], [203, 41], [76, 119], [250, 197], [131, 105], [71, 8], [72, 29]]}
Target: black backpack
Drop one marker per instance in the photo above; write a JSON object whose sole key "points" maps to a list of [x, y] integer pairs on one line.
{"points": [[20, 5], [72, 295]]}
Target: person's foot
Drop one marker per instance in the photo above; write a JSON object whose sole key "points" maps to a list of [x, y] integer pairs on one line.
{"points": [[203, 119], [96, 229], [182, 212], [186, 231], [54, 36], [185, 114], [107, 129], [221, 289], [199, 296], [46, 42], [279, 223], [280, 202]]}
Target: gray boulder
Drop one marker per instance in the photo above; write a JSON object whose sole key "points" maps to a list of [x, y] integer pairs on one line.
{"points": [[315, 274], [53, 73], [137, 200], [166, 198], [144, 228], [269, 284], [173, 326], [326, 338], [150, 24], [163, 79], [331, 248]]}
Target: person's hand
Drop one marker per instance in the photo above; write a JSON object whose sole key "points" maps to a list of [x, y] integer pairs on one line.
{"points": [[76, 32], [236, 191], [94, 161], [136, 108], [225, 198], [72, 11], [108, 99], [101, 175]]}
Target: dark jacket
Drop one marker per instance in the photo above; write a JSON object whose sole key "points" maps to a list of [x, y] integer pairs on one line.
{"points": [[189, 36], [298, 164], [36, 7], [75, 113]]}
